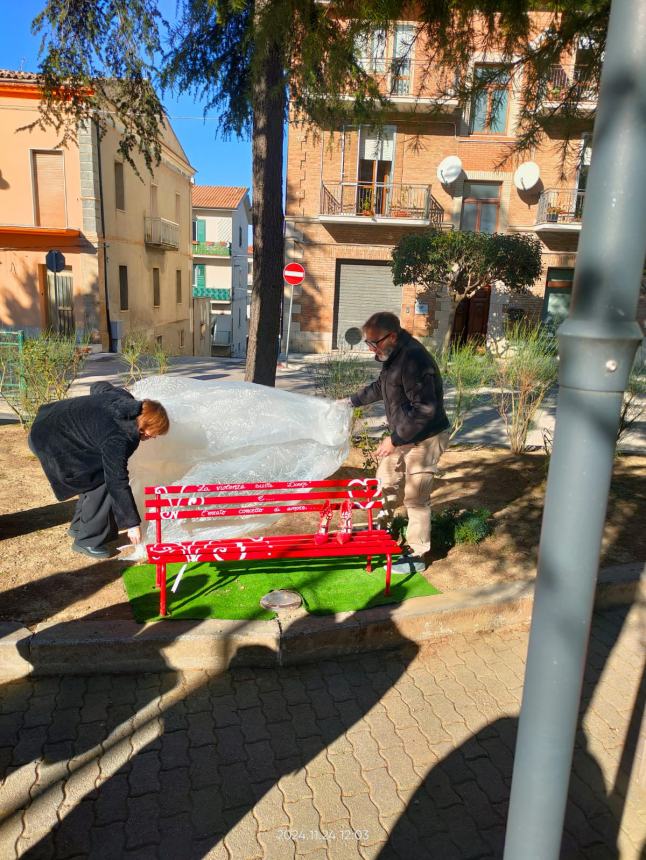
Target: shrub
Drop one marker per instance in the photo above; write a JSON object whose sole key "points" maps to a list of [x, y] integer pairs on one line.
{"points": [[452, 526], [634, 404], [341, 373], [466, 370], [48, 366], [523, 378], [142, 355]]}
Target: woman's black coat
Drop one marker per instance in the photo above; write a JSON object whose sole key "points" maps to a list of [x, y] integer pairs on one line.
{"points": [[86, 441]]}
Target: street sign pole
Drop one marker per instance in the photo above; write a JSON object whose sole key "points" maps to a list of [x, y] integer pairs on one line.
{"points": [[293, 274], [597, 345], [289, 325]]}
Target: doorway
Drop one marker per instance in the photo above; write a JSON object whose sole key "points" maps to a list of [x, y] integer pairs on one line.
{"points": [[376, 151], [471, 317], [59, 305]]}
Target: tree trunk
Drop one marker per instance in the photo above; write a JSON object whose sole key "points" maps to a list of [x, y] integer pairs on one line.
{"points": [[446, 338], [269, 101]]}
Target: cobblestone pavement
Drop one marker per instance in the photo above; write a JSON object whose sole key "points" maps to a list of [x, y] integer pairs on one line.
{"points": [[402, 754]]}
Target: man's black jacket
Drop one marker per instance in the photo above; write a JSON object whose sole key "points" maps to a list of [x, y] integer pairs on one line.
{"points": [[410, 385], [84, 442]]}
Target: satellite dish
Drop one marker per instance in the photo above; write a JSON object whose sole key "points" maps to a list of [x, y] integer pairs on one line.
{"points": [[527, 175], [353, 336], [449, 169]]}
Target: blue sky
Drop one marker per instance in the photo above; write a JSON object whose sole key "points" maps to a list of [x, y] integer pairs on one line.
{"points": [[217, 162]]}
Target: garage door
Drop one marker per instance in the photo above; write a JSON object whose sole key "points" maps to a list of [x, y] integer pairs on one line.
{"points": [[363, 289]]}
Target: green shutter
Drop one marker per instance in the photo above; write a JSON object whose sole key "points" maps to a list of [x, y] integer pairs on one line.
{"points": [[201, 230], [199, 275]]}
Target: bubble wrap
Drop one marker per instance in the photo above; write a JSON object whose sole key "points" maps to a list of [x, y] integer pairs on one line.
{"points": [[225, 432]]}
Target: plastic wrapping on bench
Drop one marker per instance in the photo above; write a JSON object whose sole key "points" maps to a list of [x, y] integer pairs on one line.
{"points": [[235, 431]]}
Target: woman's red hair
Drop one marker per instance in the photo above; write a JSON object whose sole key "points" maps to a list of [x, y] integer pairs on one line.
{"points": [[153, 418]]}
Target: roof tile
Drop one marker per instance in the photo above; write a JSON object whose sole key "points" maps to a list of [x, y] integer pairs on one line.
{"points": [[217, 196]]}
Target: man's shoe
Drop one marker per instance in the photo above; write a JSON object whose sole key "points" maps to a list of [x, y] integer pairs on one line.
{"points": [[92, 551], [409, 564], [71, 532]]}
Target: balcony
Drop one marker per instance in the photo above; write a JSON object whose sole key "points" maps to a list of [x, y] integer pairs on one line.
{"points": [[407, 82], [211, 249], [355, 202], [569, 85], [560, 210], [160, 233]]}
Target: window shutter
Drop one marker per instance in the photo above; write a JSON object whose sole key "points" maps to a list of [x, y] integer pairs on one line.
{"points": [[49, 189], [119, 188], [201, 230], [123, 288], [200, 275]]}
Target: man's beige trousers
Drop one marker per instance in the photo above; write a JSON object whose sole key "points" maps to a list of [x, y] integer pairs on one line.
{"points": [[406, 476]]}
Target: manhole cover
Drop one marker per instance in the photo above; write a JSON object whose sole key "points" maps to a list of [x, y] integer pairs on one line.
{"points": [[281, 599]]}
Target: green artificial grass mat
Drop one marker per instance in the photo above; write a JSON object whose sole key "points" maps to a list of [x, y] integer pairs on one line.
{"points": [[233, 590]]}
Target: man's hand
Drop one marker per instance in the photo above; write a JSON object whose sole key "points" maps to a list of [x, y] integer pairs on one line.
{"points": [[385, 448], [134, 534]]}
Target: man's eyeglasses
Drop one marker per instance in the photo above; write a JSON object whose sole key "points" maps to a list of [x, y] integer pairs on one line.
{"points": [[373, 344]]}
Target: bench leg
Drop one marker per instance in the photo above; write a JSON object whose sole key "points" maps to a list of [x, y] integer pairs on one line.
{"points": [[388, 572], [369, 564], [161, 573]]}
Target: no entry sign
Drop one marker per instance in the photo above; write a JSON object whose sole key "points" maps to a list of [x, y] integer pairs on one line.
{"points": [[293, 274]]}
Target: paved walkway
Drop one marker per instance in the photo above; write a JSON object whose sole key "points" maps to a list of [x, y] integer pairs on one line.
{"points": [[402, 754]]}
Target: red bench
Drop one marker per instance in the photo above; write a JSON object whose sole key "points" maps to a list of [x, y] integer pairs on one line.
{"points": [[214, 501]]}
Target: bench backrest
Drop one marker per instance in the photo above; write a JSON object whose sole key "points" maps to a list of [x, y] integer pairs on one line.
{"points": [[212, 501]]}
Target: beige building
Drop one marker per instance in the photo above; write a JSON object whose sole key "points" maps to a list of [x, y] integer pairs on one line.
{"points": [[221, 218], [125, 240], [353, 193]]}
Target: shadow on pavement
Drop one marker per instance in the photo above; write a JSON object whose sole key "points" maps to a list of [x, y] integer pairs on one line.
{"points": [[198, 760], [460, 809]]}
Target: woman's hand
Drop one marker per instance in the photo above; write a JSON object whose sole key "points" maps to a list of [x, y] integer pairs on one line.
{"points": [[134, 534]]}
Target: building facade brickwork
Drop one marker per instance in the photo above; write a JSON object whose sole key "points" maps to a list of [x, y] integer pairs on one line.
{"points": [[354, 192]]}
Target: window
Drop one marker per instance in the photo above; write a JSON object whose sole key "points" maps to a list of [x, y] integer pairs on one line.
{"points": [[489, 108], [558, 293], [178, 286], [240, 235], [181, 338], [156, 289], [199, 276], [159, 340], [119, 187], [199, 230], [123, 288], [371, 50], [401, 64], [480, 207], [178, 209], [49, 189], [154, 204]]}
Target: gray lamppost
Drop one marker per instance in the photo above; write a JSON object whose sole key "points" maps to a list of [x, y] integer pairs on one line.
{"points": [[597, 347]]}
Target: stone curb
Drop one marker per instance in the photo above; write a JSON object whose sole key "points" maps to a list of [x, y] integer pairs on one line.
{"points": [[89, 647]]}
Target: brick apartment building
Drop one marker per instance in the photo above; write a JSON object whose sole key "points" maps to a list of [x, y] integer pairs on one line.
{"points": [[354, 192]]}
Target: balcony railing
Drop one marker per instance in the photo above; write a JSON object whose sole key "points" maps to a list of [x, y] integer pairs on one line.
{"points": [[215, 294], [560, 206], [161, 233], [568, 84], [403, 76], [212, 249], [381, 200]]}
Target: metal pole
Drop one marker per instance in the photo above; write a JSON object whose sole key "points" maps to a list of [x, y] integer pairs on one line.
{"points": [[289, 324], [597, 347]]}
